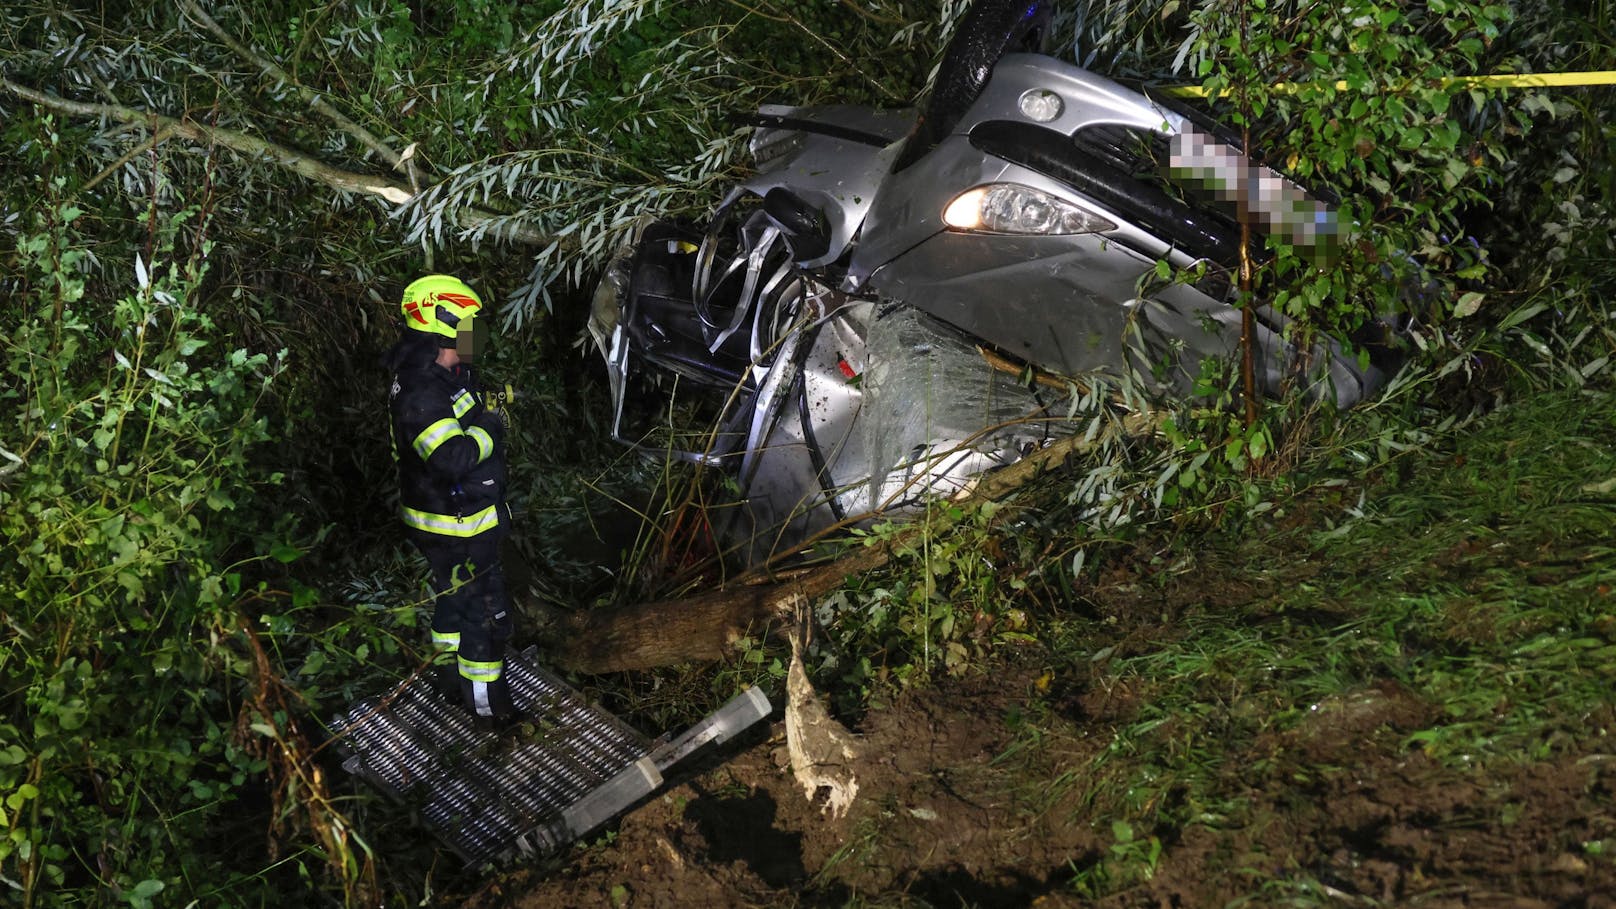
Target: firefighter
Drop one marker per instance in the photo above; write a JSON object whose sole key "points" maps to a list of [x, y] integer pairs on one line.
{"points": [[451, 474]]}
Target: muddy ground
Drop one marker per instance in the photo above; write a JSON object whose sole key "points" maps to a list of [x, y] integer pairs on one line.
{"points": [[1075, 769], [971, 793]]}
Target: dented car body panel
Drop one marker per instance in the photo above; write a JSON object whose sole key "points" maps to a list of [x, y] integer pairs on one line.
{"points": [[856, 264]]}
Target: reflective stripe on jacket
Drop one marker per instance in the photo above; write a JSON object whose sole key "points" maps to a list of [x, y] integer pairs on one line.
{"points": [[452, 525], [451, 456]]}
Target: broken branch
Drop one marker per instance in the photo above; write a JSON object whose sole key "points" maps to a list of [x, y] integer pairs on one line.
{"points": [[158, 138], [252, 146], [313, 99], [707, 626]]}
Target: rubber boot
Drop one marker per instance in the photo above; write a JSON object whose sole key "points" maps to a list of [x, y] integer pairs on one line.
{"points": [[488, 702], [446, 664], [446, 680]]}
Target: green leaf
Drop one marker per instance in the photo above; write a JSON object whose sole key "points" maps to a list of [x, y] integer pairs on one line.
{"points": [[1259, 443], [1521, 315], [20, 797], [284, 552]]}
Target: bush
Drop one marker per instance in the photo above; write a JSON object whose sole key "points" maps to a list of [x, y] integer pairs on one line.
{"points": [[126, 503]]}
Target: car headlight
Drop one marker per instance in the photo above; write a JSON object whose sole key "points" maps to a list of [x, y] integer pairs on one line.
{"points": [[1009, 208]]}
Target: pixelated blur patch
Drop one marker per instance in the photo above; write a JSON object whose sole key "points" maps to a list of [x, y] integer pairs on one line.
{"points": [[1260, 196]]}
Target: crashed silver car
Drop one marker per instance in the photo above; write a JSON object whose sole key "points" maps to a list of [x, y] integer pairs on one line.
{"points": [[850, 308]]}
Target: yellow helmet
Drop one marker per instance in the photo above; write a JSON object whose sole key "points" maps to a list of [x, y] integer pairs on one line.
{"points": [[437, 304]]}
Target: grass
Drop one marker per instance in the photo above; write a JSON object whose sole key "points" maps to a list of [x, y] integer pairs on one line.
{"points": [[1464, 612]]}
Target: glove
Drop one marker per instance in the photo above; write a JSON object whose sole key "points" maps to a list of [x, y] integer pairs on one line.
{"points": [[498, 402], [492, 422]]}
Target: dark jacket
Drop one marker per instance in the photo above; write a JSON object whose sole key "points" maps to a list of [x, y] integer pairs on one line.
{"points": [[450, 448]]}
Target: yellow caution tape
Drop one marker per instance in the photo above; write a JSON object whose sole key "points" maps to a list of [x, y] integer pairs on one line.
{"points": [[1505, 80], [1533, 80]]}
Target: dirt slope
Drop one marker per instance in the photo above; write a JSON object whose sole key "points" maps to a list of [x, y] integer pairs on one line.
{"points": [[957, 809]]}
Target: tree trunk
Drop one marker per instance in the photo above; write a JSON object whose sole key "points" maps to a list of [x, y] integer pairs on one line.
{"points": [[706, 626], [701, 627]]}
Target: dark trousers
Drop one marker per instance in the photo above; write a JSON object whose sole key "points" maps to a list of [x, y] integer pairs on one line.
{"points": [[474, 605]]}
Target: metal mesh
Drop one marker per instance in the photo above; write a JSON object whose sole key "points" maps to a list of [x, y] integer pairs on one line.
{"points": [[486, 796]]}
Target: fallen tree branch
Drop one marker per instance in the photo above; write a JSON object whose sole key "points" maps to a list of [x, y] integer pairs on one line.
{"points": [[312, 98], [158, 138], [253, 147], [707, 626]]}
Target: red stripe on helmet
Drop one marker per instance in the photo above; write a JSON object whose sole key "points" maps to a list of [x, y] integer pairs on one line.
{"points": [[414, 310], [460, 300]]}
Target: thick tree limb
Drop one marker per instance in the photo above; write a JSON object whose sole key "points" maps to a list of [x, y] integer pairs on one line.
{"points": [[706, 626], [313, 99], [254, 147], [240, 142]]}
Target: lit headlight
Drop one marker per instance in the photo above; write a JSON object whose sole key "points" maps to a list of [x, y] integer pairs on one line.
{"points": [[1008, 208]]}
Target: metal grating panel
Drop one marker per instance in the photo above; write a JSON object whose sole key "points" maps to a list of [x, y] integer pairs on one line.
{"points": [[494, 797], [485, 795]]}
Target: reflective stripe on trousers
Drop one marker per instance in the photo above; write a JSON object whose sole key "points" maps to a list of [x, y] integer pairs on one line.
{"points": [[481, 670]]}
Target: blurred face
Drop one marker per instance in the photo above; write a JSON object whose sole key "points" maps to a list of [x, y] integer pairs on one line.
{"points": [[471, 338]]}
